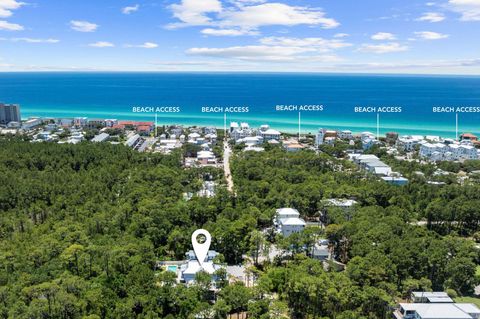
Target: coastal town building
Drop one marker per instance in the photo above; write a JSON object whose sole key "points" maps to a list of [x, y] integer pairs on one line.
{"points": [[437, 311], [80, 121], [31, 123], [449, 152], [188, 270], [270, 134], [9, 113], [409, 143], [206, 157], [430, 297], [345, 135], [375, 166], [319, 137], [287, 221], [102, 137]]}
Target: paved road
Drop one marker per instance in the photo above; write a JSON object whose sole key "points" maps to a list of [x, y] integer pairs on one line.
{"points": [[226, 166]]}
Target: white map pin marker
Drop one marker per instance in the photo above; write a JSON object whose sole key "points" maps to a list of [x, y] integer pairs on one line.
{"points": [[201, 250]]}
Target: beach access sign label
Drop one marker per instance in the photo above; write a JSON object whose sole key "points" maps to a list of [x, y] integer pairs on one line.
{"points": [[225, 109], [375, 109], [459, 109], [299, 108], [156, 109]]}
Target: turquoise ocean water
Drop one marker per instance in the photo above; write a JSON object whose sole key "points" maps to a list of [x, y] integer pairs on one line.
{"points": [[112, 95]]}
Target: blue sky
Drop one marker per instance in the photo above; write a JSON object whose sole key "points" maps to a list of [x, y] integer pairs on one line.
{"points": [[380, 36]]}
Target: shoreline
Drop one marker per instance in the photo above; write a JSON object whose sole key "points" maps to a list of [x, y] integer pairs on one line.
{"points": [[285, 125]]}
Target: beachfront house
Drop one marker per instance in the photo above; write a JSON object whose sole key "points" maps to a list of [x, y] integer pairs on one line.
{"points": [[270, 134], [319, 137]]}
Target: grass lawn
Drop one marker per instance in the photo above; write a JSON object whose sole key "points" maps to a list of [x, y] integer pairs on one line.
{"points": [[474, 300]]}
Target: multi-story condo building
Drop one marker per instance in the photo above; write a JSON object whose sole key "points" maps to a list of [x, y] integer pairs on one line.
{"points": [[449, 152], [9, 113]]}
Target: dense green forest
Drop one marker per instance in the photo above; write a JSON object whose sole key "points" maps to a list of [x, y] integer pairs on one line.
{"points": [[82, 227]]}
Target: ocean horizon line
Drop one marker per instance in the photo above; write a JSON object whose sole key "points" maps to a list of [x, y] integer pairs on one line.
{"points": [[212, 72]]}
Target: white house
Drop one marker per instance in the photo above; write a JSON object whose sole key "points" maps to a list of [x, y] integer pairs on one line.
{"points": [[345, 135], [430, 297], [101, 138], [408, 143], [437, 311], [206, 157], [189, 270], [319, 138], [270, 134], [288, 221], [31, 123]]}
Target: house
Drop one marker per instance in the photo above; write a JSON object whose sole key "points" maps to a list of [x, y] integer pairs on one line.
{"points": [[368, 143], [320, 137], [408, 143], [191, 267], [270, 134], [103, 137], [80, 121], [437, 311], [321, 252], [399, 181], [251, 140], [31, 123], [294, 147], [233, 126], [133, 140], [430, 297], [288, 221], [345, 135], [253, 149], [468, 137], [344, 204], [206, 157], [95, 123], [330, 140]]}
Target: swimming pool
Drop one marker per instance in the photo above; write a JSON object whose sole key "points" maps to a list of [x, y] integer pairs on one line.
{"points": [[172, 268]]}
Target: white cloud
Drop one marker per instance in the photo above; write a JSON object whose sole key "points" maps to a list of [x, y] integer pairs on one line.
{"points": [[268, 14], [194, 12], [83, 26], [263, 53], [227, 32], [101, 44], [278, 49], [468, 9], [383, 48], [429, 35], [246, 15], [5, 25], [146, 45], [341, 35], [432, 17], [382, 36], [7, 6], [320, 44], [131, 9], [32, 40]]}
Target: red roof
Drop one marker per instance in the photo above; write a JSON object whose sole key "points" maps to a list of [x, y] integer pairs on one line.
{"points": [[469, 136], [145, 123], [119, 126], [130, 123], [144, 128]]}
